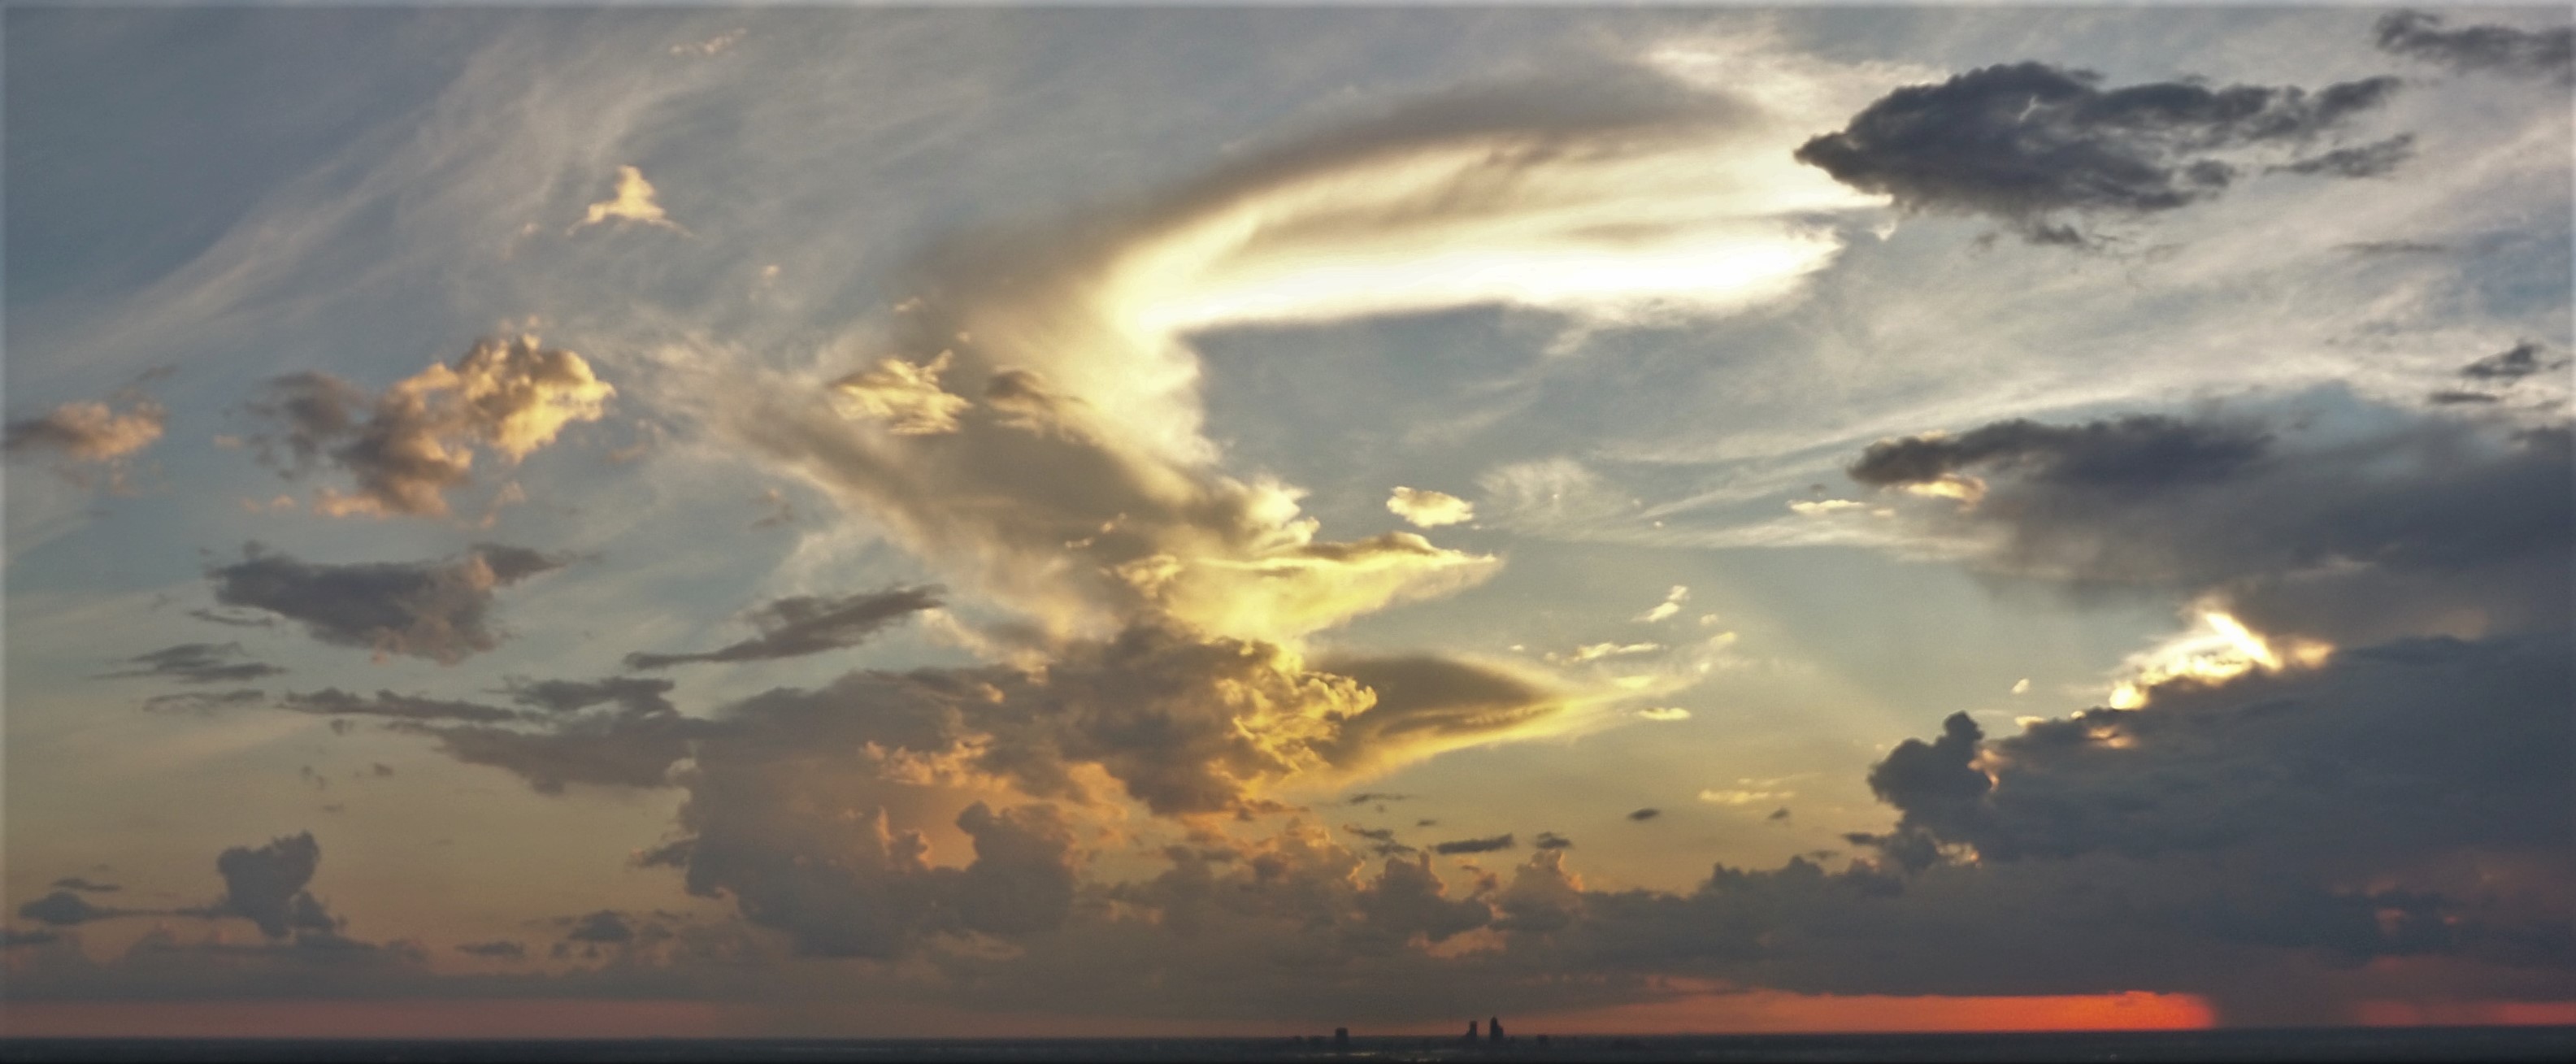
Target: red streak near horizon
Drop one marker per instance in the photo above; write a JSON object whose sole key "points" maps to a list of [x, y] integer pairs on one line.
{"points": [[1753, 1012]]}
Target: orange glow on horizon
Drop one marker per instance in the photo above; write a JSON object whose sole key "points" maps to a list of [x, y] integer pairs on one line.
{"points": [[1778, 1012]]}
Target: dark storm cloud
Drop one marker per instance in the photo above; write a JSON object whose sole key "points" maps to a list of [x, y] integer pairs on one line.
{"points": [[606, 925], [806, 624], [2376, 159], [203, 701], [1381, 841], [2469, 49], [333, 702], [85, 886], [596, 749], [631, 694], [1645, 814], [233, 620], [2140, 452], [2030, 144], [63, 908], [2510, 365], [266, 886], [196, 663], [2448, 397], [436, 609], [502, 949], [2349, 539], [1498, 842]]}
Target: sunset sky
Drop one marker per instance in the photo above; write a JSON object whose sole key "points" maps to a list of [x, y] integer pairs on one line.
{"points": [[888, 523]]}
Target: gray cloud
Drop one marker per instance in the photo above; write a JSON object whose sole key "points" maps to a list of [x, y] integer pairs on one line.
{"points": [[434, 610], [11, 938], [62, 908], [2353, 540], [606, 925], [405, 449], [1381, 841], [203, 701], [2510, 365], [2375, 159], [502, 949], [196, 663], [1456, 846], [2136, 452], [85, 886], [805, 624], [1645, 814], [1549, 840], [631, 694], [2032, 145], [1425, 699], [334, 702], [2493, 49], [266, 886]]}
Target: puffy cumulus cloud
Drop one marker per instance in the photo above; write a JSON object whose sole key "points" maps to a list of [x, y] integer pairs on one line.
{"points": [[634, 200], [809, 624], [2430, 527], [436, 610], [2034, 145], [265, 885], [405, 449], [2472, 49], [1426, 508], [89, 433], [1032, 423], [196, 663]]}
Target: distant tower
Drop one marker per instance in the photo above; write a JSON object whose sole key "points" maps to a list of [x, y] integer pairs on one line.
{"points": [[1471, 1030], [1494, 1030], [1341, 1038]]}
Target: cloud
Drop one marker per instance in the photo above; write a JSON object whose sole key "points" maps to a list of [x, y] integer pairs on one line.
{"points": [[2034, 145], [266, 886], [89, 432], [807, 624], [1381, 841], [634, 695], [2428, 527], [407, 448], [1549, 840], [2376, 159], [633, 201], [1486, 845], [1671, 605], [1423, 704], [1645, 814], [62, 908], [2510, 365], [333, 702], [1663, 713], [203, 701], [606, 925], [196, 663], [2473, 49], [11, 938], [500, 949], [1426, 508], [436, 610], [905, 397], [85, 886], [1079, 485]]}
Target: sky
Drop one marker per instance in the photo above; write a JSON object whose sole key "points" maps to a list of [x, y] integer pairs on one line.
{"points": [[874, 522]]}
